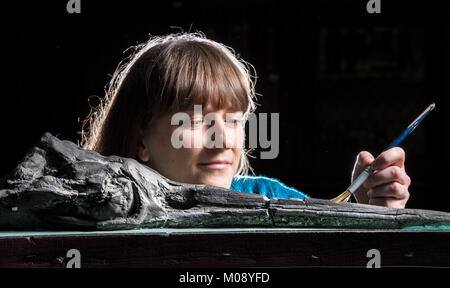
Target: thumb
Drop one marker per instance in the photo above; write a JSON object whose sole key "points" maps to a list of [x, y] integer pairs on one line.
{"points": [[363, 160]]}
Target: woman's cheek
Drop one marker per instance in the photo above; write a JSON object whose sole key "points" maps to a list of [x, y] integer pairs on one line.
{"points": [[238, 146], [191, 138], [239, 138]]}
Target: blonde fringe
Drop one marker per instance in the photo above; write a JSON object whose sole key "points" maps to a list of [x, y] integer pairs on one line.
{"points": [[92, 125]]}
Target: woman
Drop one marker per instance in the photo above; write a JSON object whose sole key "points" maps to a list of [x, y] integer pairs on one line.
{"points": [[170, 75]]}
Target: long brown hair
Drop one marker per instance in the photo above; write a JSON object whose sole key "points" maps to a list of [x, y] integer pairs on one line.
{"points": [[167, 74]]}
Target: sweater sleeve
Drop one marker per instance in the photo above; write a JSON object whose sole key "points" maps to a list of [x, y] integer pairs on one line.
{"points": [[269, 187]]}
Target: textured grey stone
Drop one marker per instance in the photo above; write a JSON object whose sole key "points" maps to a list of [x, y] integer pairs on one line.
{"points": [[59, 186]]}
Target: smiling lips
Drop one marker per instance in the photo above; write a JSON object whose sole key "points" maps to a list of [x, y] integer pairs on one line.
{"points": [[217, 165]]}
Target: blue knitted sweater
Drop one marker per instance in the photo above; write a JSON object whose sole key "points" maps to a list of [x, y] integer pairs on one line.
{"points": [[269, 187]]}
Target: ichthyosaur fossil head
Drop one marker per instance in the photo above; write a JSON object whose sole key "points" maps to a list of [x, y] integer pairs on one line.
{"points": [[60, 186]]}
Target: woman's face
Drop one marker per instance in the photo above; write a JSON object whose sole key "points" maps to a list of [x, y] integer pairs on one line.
{"points": [[215, 138]]}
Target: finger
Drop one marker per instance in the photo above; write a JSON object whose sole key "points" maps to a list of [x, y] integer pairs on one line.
{"points": [[387, 202], [363, 160], [394, 156], [391, 190], [387, 175]]}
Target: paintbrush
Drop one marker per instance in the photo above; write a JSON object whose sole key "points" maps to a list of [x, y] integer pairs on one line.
{"points": [[369, 171]]}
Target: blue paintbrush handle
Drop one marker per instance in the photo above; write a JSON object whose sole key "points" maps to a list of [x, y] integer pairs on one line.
{"points": [[400, 138], [369, 171], [411, 127]]}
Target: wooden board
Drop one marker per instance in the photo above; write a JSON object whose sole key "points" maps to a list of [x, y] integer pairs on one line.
{"points": [[225, 248]]}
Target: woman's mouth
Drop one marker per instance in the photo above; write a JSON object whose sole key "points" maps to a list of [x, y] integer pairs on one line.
{"points": [[216, 165]]}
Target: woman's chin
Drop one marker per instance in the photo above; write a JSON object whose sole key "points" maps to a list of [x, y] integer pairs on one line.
{"points": [[222, 182]]}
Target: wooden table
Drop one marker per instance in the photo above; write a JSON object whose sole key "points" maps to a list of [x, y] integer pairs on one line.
{"points": [[227, 248]]}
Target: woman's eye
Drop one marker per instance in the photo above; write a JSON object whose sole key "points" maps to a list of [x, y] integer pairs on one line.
{"points": [[196, 122], [234, 122]]}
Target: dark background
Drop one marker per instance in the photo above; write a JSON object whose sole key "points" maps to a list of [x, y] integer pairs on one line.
{"points": [[343, 80]]}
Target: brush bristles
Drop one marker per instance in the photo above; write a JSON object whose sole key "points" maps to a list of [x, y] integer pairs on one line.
{"points": [[343, 197]]}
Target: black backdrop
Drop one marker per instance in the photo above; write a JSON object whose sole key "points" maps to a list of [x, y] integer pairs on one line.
{"points": [[341, 79]]}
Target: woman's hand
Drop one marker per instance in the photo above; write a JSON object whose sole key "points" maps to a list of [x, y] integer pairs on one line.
{"points": [[388, 185]]}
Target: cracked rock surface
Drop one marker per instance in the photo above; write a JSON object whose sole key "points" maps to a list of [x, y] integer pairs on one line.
{"points": [[59, 186]]}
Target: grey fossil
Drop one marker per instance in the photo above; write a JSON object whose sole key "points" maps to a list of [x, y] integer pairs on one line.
{"points": [[59, 186]]}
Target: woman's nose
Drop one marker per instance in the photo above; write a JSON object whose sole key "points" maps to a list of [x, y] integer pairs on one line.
{"points": [[217, 134]]}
